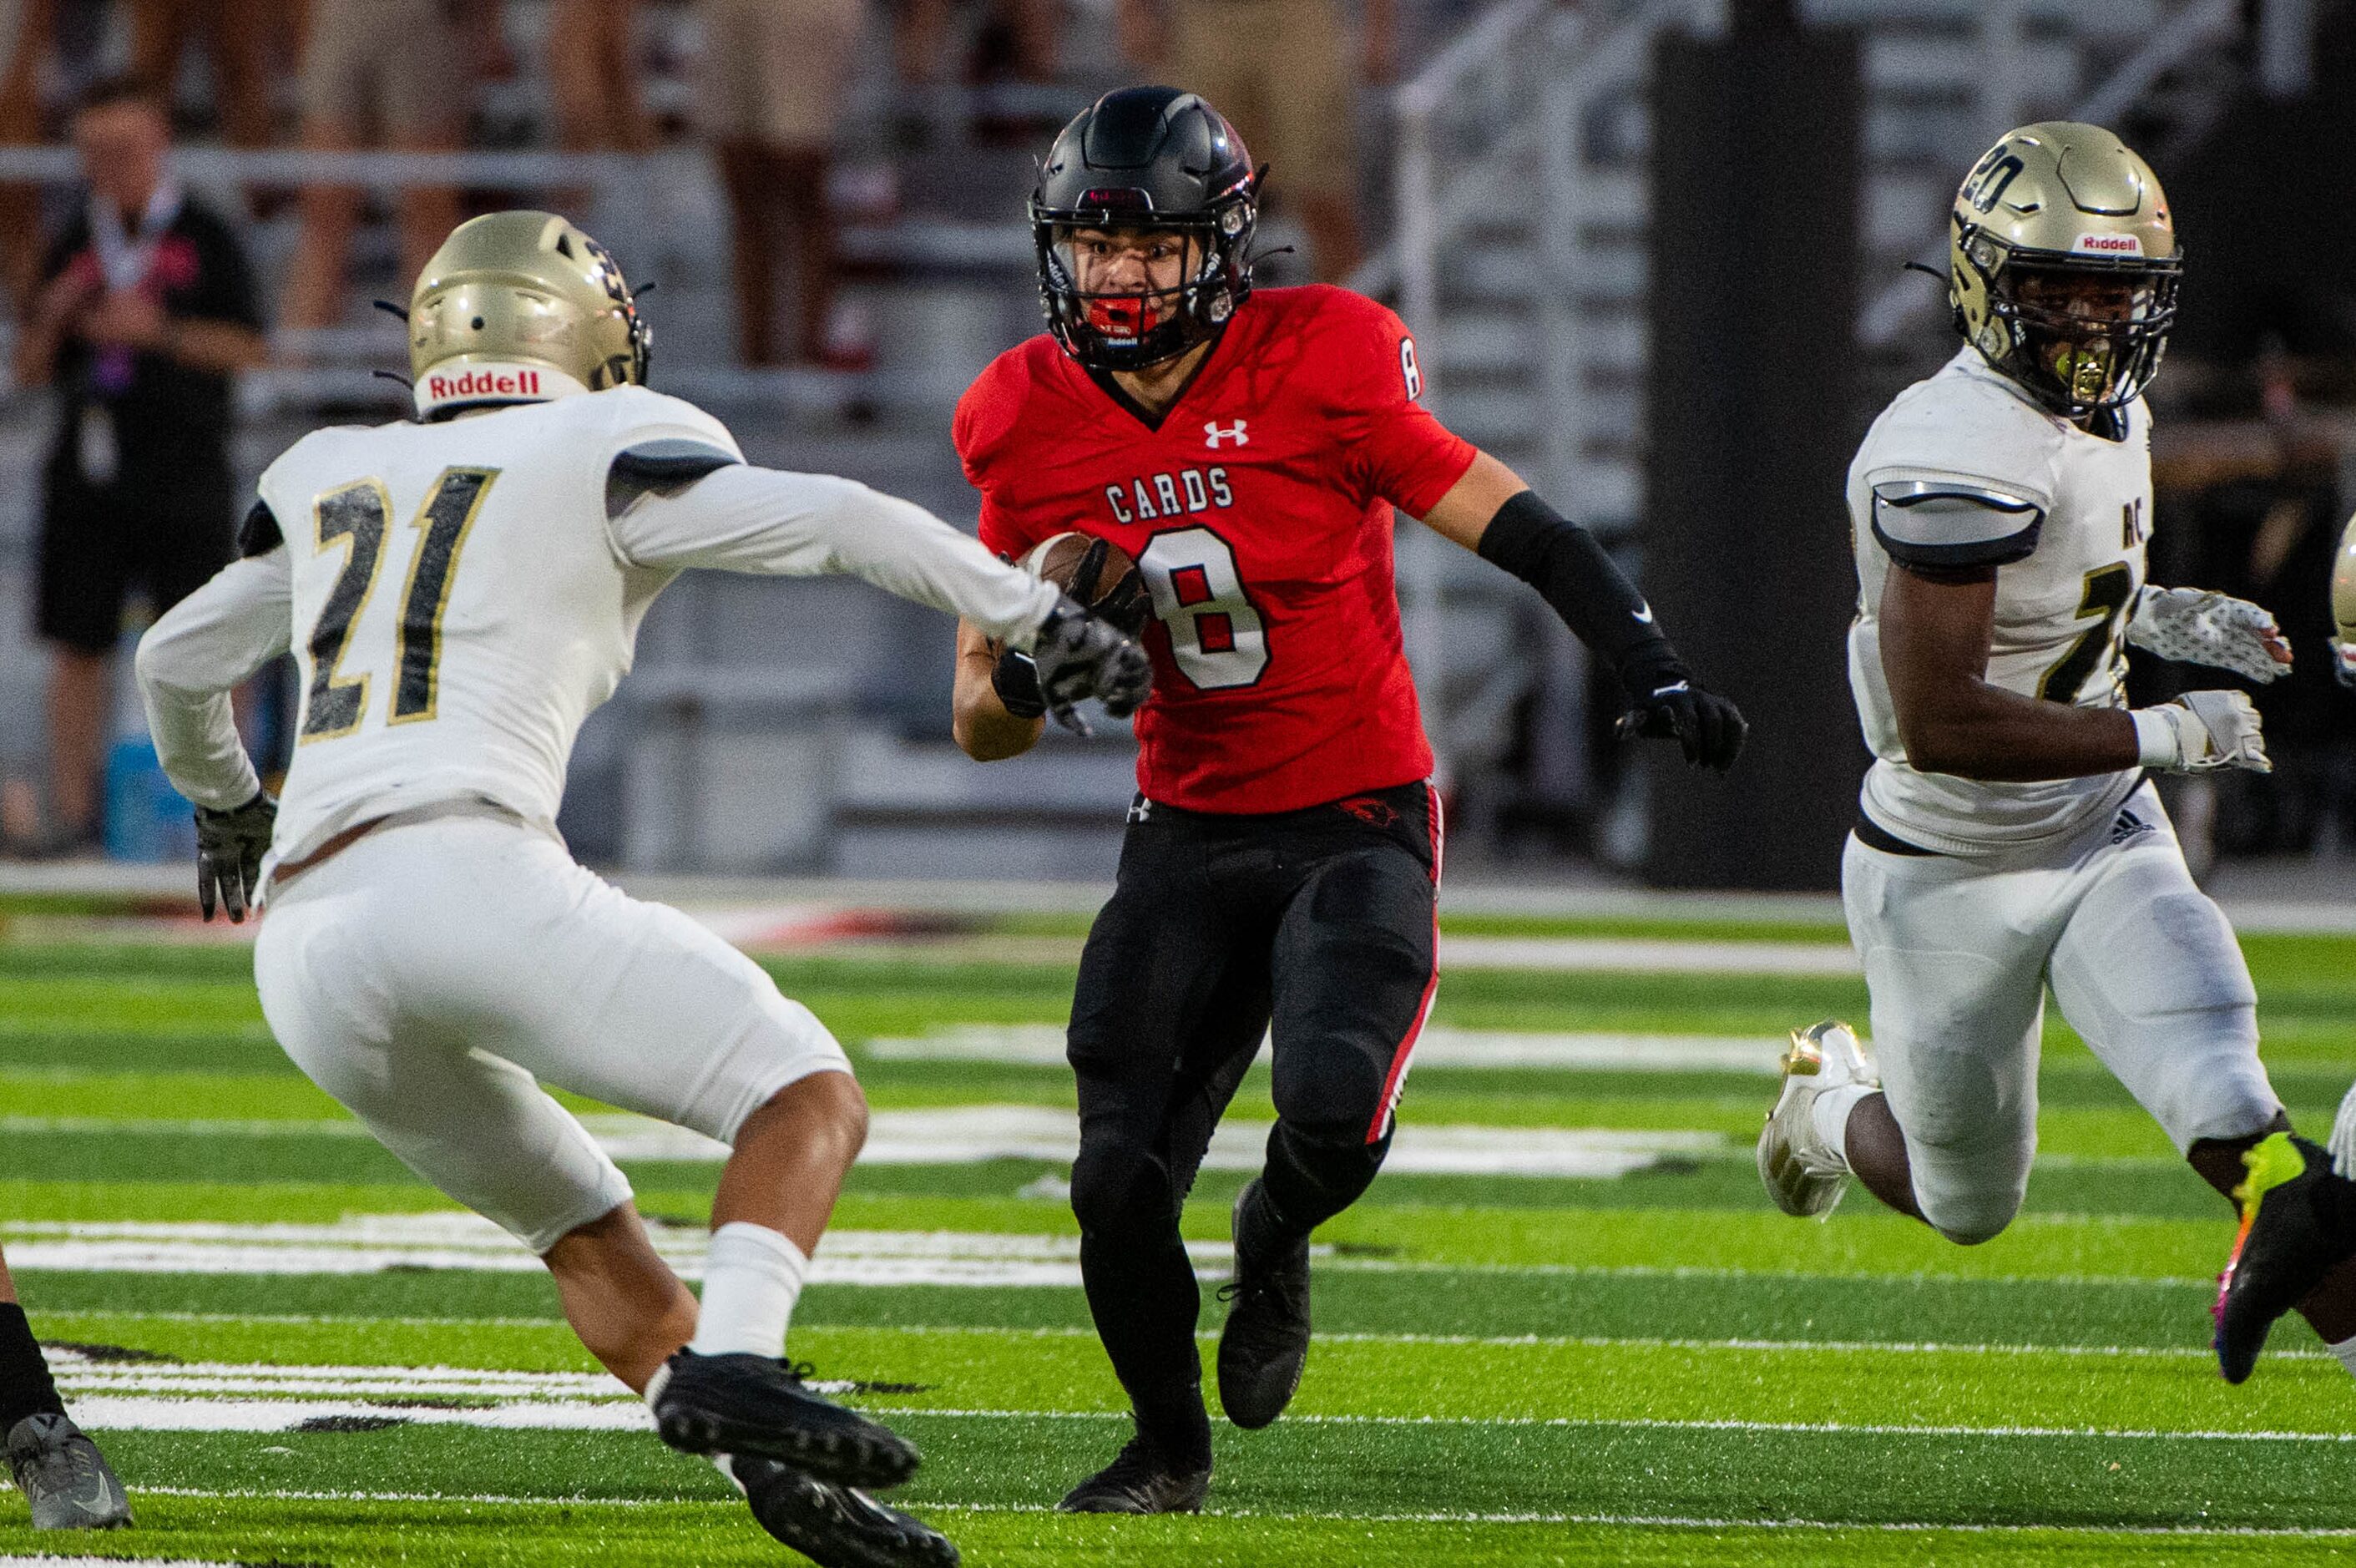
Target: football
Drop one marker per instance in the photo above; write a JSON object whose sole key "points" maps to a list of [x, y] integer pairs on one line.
{"points": [[1113, 588]]}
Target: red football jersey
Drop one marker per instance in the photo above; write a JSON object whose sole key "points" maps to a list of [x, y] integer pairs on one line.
{"points": [[1258, 508]]}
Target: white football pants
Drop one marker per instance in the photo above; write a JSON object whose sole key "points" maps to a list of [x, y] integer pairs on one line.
{"points": [[430, 972], [1958, 951]]}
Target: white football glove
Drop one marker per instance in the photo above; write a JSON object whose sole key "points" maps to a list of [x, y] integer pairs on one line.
{"points": [[2342, 1143], [2201, 731], [2194, 625], [2343, 661]]}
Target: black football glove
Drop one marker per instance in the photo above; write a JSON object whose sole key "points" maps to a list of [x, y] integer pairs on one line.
{"points": [[1078, 655], [1664, 703], [230, 847]]}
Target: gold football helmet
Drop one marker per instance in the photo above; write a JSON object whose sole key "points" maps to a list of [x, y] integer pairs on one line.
{"points": [[2063, 264], [516, 306]]}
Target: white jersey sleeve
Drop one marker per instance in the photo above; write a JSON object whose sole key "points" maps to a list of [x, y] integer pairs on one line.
{"points": [[189, 661], [740, 519]]}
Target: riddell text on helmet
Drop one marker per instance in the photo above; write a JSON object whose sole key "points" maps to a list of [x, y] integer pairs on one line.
{"points": [[486, 383]]}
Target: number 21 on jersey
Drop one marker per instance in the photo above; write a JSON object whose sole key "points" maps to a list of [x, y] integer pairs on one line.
{"points": [[354, 518], [1215, 634]]}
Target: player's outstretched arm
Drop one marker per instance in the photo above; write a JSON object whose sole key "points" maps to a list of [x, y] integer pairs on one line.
{"points": [[1937, 630], [1492, 513], [738, 518], [985, 720]]}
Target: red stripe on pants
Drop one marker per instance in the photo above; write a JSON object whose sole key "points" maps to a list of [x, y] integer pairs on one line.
{"points": [[1394, 1081]]}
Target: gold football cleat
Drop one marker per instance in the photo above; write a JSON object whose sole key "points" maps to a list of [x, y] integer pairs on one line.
{"points": [[1802, 1173]]}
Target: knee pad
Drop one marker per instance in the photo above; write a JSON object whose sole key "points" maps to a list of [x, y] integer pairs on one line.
{"points": [[1968, 1213], [1116, 1190]]}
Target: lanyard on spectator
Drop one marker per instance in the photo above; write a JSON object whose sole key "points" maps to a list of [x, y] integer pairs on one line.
{"points": [[124, 258]]}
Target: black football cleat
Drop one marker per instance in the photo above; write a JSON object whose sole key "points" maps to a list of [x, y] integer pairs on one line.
{"points": [[750, 1405], [2298, 1219], [64, 1476], [1144, 1478], [836, 1527], [1265, 1343]]}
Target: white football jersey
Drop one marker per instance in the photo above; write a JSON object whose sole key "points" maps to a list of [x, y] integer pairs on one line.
{"points": [[1962, 470], [460, 595]]}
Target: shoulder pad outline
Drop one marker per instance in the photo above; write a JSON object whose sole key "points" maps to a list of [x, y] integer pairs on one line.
{"points": [[1979, 492]]}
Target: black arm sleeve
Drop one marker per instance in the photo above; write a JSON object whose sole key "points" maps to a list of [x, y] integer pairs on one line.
{"points": [[1563, 562]]}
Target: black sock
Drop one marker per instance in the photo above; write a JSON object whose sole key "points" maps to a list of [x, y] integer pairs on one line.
{"points": [[24, 1386], [1263, 1229], [1180, 1427], [1308, 1181]]}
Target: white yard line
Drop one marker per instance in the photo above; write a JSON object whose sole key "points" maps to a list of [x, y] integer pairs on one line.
{"points": [[970, 1134], [46, 1561], [1056, 1331], [365, 1244], [235, 1396]]}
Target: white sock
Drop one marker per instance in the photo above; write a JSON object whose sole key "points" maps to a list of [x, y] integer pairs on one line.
{"points": [[1830, 1113], [752, 1277], [2345, 1351]]}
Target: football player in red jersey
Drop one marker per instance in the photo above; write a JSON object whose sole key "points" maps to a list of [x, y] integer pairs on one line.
{"points": [[1284, 848]]}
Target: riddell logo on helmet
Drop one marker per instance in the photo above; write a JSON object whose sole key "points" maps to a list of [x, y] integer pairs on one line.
{"points": [[486, 383], [2109, 245]]}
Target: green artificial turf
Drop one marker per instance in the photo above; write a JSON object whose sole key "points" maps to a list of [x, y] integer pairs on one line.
{"points": [[1656, 1368]]}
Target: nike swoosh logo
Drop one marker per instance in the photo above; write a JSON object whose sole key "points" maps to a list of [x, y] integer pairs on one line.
{"points": [[1644, 616], [1680, 686]]}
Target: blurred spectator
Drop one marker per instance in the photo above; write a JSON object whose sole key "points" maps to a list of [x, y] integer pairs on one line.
{"points": [[245, 41], [593, 76], [1018, 40], [26, 29], [390, 73], [1281, 70], [774, 72], [147, 306]]}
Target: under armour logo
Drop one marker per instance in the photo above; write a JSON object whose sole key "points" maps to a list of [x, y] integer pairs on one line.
{"points": [[1213, 434]]}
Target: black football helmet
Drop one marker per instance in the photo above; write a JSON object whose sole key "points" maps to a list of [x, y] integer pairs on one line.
{"points": [[1145, 157]]}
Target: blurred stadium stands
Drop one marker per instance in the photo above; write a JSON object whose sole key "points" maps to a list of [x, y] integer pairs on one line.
{"points": [[776, 726]]}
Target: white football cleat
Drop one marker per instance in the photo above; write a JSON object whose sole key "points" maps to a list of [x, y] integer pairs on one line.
{"points": [[1804, 1175]]}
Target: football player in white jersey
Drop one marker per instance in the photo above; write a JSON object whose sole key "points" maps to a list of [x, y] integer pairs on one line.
{"points": [[2299, 1210], [460, 591], [2008, 838]]}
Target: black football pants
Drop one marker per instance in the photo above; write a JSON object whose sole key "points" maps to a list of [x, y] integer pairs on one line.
{"points": [[1320, 921]]}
